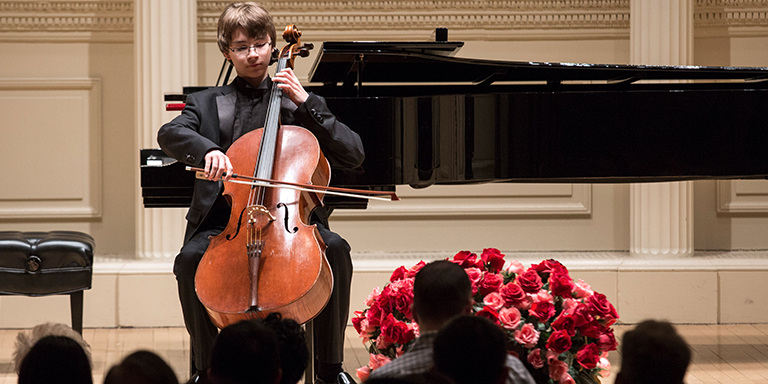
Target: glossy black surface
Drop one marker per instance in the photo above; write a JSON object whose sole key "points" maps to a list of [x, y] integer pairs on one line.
{"points": [[614, 137], [426, 118]]}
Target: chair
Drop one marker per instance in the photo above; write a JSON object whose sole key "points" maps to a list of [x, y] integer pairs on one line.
{"points": [[47, 263]]}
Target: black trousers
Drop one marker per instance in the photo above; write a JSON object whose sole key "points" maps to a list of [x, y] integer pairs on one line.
{"points": [[329, 325]]}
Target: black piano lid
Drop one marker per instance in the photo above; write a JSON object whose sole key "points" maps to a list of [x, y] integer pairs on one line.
{"points": [[434, 62]]}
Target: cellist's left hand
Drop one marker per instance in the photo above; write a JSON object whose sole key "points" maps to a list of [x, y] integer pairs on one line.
{"points": [[289, 83]]}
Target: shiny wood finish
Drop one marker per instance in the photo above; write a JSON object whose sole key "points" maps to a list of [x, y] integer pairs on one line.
{"points": [[292, 267]]}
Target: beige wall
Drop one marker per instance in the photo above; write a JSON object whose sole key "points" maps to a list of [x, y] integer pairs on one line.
{"points": [[47, 65], [91, 46]]}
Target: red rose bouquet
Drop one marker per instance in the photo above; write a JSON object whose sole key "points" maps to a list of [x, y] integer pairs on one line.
{"points": [[559, 328]]}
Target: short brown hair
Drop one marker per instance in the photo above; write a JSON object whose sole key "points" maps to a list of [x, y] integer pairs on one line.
{"points": [[251, 16]]}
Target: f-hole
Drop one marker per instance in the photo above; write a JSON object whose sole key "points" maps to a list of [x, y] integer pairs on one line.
{"points": [[295, 229]]}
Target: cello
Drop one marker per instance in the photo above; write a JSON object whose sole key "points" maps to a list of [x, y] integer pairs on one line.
{"points": [[268, 259]]}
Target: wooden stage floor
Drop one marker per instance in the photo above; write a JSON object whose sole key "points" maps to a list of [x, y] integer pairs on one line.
{"points": [[721, 353]]}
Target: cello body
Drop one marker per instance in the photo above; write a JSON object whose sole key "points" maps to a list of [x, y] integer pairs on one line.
{"points": [[294, 277]]}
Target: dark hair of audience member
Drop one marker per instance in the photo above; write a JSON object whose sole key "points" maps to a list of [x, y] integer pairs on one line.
{"points": [[471, 350], [292, 342], [441, 290], [55, 359], [653, 352], [428, 377], [245, 352], [141, 367]]}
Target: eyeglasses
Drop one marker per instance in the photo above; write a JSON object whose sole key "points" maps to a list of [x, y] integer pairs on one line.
{"points": [[245, 49]]}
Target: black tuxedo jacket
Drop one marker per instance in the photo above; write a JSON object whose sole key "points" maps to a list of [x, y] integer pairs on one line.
{"points": [[196, 131]]}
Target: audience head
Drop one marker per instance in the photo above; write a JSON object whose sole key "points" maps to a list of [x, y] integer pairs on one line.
{"points": [[471, 350], [441, 291], [245, 352], [55, 359], [653, 352], [292, 342], [419, 378], [141, 367], [26, 340]]}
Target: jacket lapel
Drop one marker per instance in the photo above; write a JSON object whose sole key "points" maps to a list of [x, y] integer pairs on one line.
{"points": [[226, 109]]}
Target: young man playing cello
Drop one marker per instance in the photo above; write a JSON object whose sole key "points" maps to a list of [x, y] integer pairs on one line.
{"points": [[211, 121]]}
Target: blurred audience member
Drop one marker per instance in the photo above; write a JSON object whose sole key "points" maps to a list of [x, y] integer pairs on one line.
{"points": [[245, 353], [471, 350], [25, 340], [653, 352], [141, 367], [55, 359], [292, 342]]}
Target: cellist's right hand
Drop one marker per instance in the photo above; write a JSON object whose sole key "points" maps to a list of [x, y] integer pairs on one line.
{"points": [[216, 164]]}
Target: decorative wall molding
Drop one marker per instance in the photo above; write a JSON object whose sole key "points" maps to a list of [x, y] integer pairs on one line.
{"points": [[60, 147], [483, 20], [742, 196], [592, 261], [734, 18], [486, 200], [98, 21]]}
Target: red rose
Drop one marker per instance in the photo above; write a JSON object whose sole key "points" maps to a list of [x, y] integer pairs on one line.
{"points": [[374, 315], [588, 356], [490, 314], [559, 341], [462, 255], [601, 309], [513, 294], [402, 304], [549, 266], [542, 310], [493, 259], [398, 274], [529, 281], [565, 322], [491, 283], [607, 341], [560, 284], [581, 316], [399, 296], [468, 259], [592, 330], [359, 316], [396, 331]]}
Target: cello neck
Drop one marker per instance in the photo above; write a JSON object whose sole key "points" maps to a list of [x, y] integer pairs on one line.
{"points": [[271, 125]]}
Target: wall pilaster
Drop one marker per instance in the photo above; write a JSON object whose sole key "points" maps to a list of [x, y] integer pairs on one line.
{"points": [[661, 217], [165, 38]]}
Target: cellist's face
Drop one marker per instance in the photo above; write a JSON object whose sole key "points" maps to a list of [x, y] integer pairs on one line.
{"points": [[250, 56]]}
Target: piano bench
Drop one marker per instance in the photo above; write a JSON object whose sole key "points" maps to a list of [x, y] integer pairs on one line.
{"points": [[47, 263]]}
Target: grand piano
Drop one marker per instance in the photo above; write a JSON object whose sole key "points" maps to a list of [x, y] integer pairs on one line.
{"points": [[428, 117]]}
